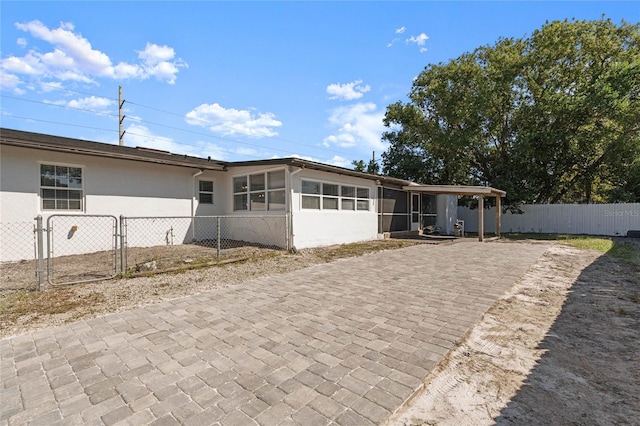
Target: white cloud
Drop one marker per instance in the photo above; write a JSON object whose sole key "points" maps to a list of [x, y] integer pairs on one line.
{"points": [[419, 40], [73, 58], [90, 104], [400, 30], [208, 149], [71, 50], [347, 91], [157, 62], [140, 135], [11, 83], [339, 161], [336, 160], [50, 87], [229, 122], [356, 125], [22, 42]]}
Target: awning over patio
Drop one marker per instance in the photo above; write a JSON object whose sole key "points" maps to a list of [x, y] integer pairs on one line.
{"points": [[479, 191]]}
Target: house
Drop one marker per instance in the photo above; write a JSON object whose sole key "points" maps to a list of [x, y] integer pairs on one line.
{"points": [[320, 204]]}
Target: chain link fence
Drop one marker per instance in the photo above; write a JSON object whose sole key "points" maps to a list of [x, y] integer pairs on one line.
{"points": [[81, 248], [17, 254], [160, 243], [70, 249]]}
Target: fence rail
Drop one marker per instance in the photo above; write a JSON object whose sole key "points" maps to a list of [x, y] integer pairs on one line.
{"points": [[69, 249], [588, 219]]}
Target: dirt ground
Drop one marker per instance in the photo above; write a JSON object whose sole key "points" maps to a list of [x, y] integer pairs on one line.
{"points": [[561, 347], [105, 264]]}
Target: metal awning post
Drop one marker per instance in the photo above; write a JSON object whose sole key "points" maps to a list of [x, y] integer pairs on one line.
{"points": [[480, 218], [498, 216]]}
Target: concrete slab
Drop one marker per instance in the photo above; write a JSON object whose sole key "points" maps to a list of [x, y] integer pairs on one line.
{"points": [[343, 343]]}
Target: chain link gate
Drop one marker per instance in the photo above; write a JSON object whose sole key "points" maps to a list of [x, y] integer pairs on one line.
{"points": [[94, 237]]}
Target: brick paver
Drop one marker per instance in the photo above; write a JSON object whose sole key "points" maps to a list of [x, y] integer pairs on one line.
{"points": [[342, 343]]}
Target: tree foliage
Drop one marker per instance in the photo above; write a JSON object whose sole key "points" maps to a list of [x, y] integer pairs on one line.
{"points": [[371, 167], [554, 117]]}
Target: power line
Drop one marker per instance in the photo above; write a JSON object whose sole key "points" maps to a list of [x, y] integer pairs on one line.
{"points": [[54, 86], [157, 138], [235, 129], [142, 121], [207, 135], [195, 146], [58, 105], [55, 122], [210, 136]]}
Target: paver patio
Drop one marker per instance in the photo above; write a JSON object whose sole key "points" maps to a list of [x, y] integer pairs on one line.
{"points": [[344, 343]]}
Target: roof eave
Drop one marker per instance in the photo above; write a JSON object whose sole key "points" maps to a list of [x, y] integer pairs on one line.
{"points": [[312, 165], [457, 190], [25, 143]]}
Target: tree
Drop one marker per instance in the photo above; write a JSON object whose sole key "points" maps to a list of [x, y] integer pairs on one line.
{"points": [[551, 118], [371, 167]]}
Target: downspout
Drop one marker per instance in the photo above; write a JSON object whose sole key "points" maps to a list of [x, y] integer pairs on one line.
{"points": [[290, 206], [193, 202]]}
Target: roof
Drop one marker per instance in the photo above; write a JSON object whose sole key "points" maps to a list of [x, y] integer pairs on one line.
{"points": [[312, 165], [79, 146], [456, 189]]}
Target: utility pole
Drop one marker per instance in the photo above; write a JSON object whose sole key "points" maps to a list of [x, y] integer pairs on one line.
{"points": [[120, 116]]}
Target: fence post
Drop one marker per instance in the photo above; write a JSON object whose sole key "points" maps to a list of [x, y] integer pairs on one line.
{"points": [[286, 232], [218, 236], [40, 260], [123, 256]]}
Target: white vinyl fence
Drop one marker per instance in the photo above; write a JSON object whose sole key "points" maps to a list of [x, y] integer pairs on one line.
{"points": [[588, 219]]}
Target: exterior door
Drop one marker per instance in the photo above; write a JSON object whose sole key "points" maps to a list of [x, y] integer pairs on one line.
{"points": [[415, 211]]}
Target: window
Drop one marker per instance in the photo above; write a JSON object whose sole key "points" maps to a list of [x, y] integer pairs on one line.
{"points": [[348, 198], [205, 192], [276, 190], [329, 196], [259, 191], [311, 195], [363, 198], [61, 187]]}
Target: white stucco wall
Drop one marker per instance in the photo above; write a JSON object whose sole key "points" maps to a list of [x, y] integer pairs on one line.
{"points": [[136, 189], [313, 228], [110, 187]]}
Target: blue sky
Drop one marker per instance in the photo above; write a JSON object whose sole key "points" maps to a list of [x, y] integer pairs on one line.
{"points": [[242, 81]]}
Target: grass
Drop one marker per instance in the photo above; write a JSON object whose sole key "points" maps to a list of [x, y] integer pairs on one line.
{"points": [[621, 250], [52, 301]]}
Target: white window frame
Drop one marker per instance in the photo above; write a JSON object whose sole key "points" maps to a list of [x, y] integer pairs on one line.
{"points": [[267, 190], [41, 187], [356, 199], [200, 192]]}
